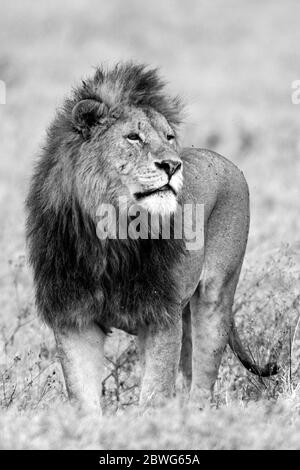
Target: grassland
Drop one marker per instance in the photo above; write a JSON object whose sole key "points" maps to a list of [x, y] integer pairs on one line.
{"points": [[233, 62]]}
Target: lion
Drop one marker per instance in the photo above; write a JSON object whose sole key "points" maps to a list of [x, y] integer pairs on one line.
{"points": [[116, 136]]}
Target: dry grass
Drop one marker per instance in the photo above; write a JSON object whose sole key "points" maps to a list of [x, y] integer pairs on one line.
{"points": [[234, 65], [257, 426]]}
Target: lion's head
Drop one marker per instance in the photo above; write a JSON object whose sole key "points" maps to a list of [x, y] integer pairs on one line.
{"points": [[122, 132]]}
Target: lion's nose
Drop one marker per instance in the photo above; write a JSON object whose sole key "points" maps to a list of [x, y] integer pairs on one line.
{"points": [[169, 166]]}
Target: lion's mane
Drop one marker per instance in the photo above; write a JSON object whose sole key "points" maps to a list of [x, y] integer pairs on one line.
{"points": [[78, 278]]}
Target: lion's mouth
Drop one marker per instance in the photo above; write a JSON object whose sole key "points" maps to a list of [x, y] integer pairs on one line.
{"points": [[165, 188]]}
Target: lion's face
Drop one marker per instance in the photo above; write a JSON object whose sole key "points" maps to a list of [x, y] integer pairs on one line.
{"points": [[135, 159]]}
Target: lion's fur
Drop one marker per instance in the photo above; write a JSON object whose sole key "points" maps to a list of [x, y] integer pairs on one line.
{"points": [[78, 278], [138, 285], [125, 85]]}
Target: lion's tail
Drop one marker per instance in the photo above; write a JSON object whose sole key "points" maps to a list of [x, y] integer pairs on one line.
{"points": [[271, 368]]}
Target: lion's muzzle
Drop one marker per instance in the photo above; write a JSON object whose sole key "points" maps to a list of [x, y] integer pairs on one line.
{"points": [[169, 166]]}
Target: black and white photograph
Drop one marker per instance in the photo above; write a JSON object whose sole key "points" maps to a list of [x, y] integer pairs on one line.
{"points": [[150, 229]]}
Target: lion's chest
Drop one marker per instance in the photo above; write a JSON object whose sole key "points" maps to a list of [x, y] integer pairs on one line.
{"points": [[152, 291]]}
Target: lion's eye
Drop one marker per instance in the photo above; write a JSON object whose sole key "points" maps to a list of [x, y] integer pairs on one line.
{"points": [[133, 137], [170, 137]]}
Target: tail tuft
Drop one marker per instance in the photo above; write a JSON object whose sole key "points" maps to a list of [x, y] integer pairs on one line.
{"points": [[270, 369], [236, 345]]}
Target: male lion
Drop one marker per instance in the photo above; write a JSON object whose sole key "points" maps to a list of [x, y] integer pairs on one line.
{"points": [[116, 137]]}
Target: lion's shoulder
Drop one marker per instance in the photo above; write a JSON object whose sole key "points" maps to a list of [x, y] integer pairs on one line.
{"points": [[208, 172]]}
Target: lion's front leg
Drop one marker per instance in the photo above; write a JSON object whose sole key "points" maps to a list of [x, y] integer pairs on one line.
{"points": [[82, 358], [161, 349]]}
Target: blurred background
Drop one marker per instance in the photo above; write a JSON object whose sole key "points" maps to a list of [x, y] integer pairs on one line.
{"points": [[233, 62]]}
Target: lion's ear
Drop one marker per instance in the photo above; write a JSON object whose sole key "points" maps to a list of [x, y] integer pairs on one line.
{"points": [[86, 114]]}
